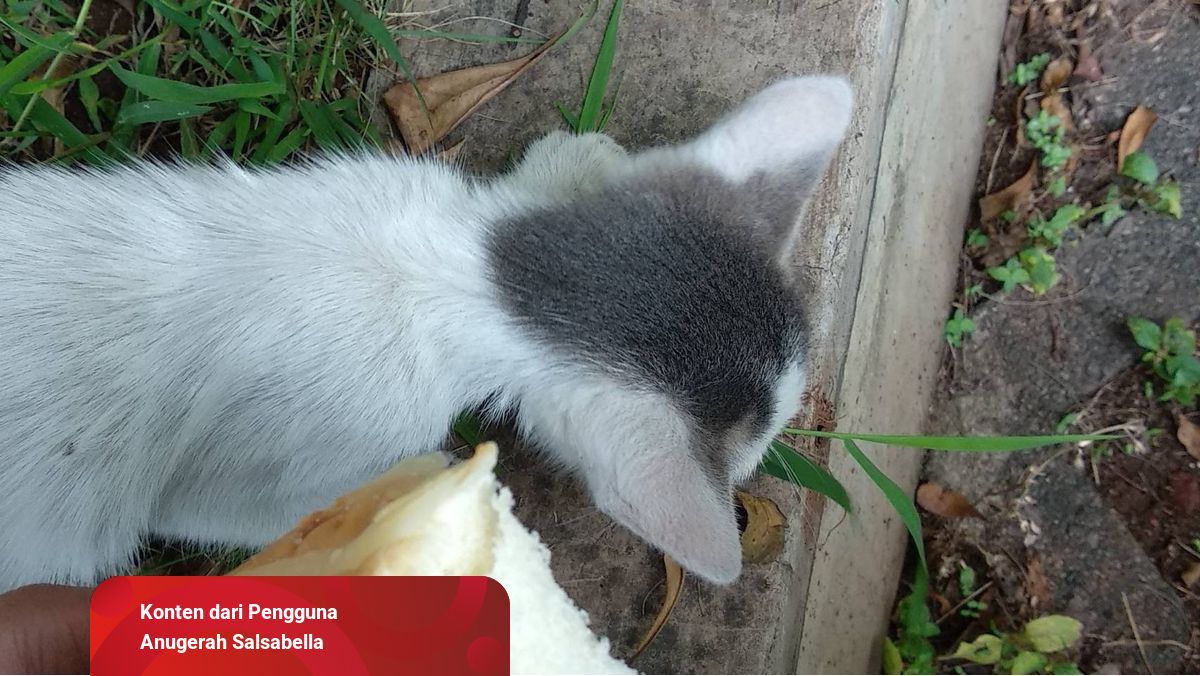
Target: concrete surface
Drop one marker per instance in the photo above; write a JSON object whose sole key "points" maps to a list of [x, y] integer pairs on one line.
{"points": [[880, 245]]}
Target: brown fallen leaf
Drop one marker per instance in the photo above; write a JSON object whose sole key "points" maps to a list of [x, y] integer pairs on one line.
{"points": [[762, 541], [673, 587], [1191, 576], [943, 604], [944, 502], [1185, 491], [1037, 585], [1011, 198], [450, 155], [1133, 133], [451, 97], [1188, 435], [1056, 74], [1089, 68]]}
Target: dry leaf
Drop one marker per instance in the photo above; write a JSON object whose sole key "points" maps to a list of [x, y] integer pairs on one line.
{"points": [[1089, 68], [1191, 576], [1133, 132], [1056, 74], [1055, 15], [450, 155], [1053, 104], [1036, 583], [674, 586], [1189, 435], [1011, 198], [944, 502], [762, 541], [451, 97]]}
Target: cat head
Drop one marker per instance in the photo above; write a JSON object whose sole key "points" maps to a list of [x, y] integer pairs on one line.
{"points": [[679, 340]]}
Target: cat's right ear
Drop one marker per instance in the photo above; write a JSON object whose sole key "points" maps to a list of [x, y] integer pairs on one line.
{"points": [[788, 130], [774, 149]]}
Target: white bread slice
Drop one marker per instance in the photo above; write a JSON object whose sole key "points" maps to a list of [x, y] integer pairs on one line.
{"points": [[428, 517]]}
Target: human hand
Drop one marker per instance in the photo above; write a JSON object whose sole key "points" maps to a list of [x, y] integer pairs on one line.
{"points": [[44, 630]]}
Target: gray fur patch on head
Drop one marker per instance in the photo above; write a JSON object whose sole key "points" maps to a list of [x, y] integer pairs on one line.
{"points": [[659, 282]]}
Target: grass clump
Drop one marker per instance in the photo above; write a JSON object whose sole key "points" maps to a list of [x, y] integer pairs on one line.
{"points": [[256, 82]]}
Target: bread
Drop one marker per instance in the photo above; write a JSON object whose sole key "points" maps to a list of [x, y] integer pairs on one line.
{"points": [[426, 516]]}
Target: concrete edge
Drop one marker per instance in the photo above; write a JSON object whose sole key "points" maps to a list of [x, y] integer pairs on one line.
{"points": [[939, 97]]}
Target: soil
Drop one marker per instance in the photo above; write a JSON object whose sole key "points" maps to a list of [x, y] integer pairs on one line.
{"points": [[1156, 489]]}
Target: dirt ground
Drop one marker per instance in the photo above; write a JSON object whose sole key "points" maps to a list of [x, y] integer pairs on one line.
{"points": [[1102, 533]]}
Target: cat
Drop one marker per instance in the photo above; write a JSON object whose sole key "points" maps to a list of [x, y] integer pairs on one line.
{"points": [[208, 353]]}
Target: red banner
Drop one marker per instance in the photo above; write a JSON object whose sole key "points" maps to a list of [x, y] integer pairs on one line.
{"points": [[344, 626]]}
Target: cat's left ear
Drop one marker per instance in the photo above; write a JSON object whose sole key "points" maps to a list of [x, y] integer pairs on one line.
{"points": [[668, 499], [774, 149]]}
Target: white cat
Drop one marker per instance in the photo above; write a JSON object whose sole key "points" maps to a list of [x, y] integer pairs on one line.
{"points": [[209, 353]]}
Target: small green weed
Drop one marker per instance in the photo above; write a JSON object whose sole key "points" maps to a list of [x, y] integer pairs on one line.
{"points": [[1036, 649], [1157, 194], [976, 239], [1010, 275], [1028, 71], [1170, 350], [1049, 233], [1033, 268], [912, 652], [971, 607], [957, 327], [1110, 210], [1045, 132]]}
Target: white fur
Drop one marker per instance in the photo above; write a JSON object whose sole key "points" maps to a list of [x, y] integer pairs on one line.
{"points": [[209, 353]]}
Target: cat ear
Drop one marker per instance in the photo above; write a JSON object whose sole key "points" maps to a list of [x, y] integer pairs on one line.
{"points": [[788, 130], [668, 500], [773, 150]]}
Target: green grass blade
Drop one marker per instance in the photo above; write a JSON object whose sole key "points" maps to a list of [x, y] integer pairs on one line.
{"points": [[322, 129], [464, 37], [189, 143], [785, 463], [345, 131], [89, 98], [173, 14], [612, 104], [256, 108], [223, 58], [157, 111], [263, 70], [468, 428], [577, 25], [941, 443], [593, 97], [571, 120], [899, 500], [29, 60], [375, 28], [45, 117], [182, 92], [271, 135], [216, 138], [287, 146], [241, 132]]}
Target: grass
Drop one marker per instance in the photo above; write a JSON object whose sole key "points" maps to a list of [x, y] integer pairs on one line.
{"points": [[593, 115], [256, 82]]}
